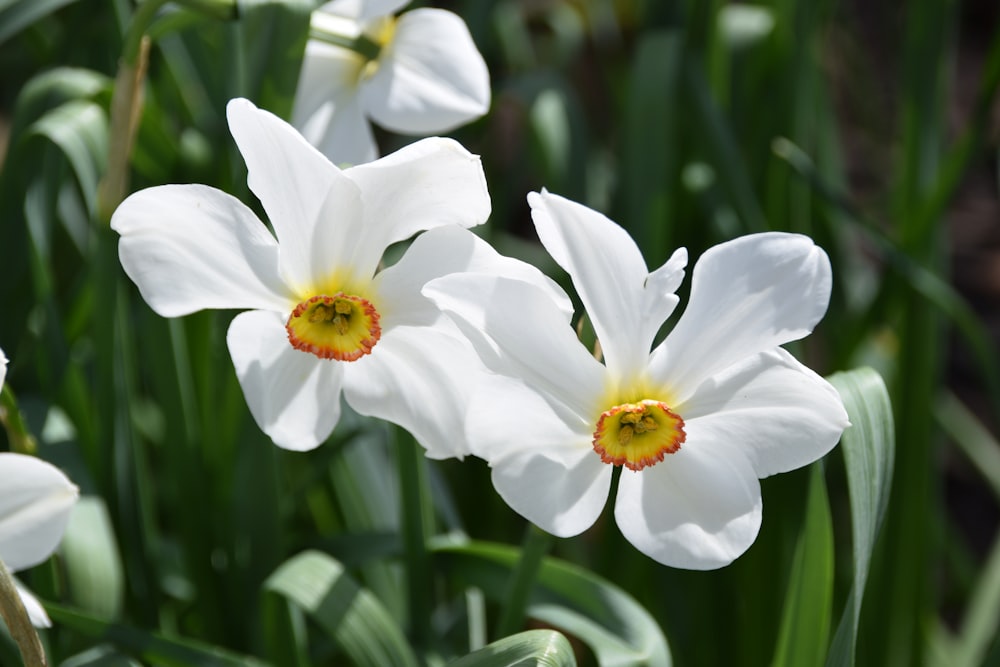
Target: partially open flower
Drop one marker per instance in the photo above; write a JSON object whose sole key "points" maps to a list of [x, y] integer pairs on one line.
{"points": [[325, 319], [416, 73], [693, 422]]}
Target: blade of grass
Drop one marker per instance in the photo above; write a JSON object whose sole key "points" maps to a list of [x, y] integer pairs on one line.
{"points": [[544, 648]]}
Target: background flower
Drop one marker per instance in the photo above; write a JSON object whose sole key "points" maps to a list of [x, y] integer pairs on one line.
{"points": [[427, 77]]}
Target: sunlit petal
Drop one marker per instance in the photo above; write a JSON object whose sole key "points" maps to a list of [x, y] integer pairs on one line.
{"points": [[431, 77], [520, 331], [779, 413], [34, 508], [442, 251], [420, 379], [189, 247], [696, 510], [36, 613], [364, 10], [431, 183], [293, 396], [747, 296]]}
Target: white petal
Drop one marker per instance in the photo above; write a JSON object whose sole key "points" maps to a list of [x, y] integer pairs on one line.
{"points": [[440, 252], [189, 247], [780, 413], [327, 109], [610, 275], [364, 10], [431, 183], [420, 379], [747, 295], [293, 396], [518, 330], [36, 613], [697, 509], [544, 465], [34, 507], [431, 78], [311, 204], [3, 368]]}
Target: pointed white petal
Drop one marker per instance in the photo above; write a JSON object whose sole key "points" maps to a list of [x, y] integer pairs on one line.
{"points": [[431, 183], [544, 465], [440, 252], [327, 109], [518, 330], [293, 396], [610, 275], [779, 413], [695, 510], [3, 368], [311, 204], [34, 507], [747, 295], [431, 78], [420, 379], [36, 613], [189, 247]]}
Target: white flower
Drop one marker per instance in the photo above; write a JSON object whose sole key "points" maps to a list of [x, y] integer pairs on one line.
{"points": [[695, 422], [35, 503], [427, 78], [325, 320]]}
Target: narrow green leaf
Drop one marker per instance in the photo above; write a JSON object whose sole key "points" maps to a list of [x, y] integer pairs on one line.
{"points": [[18, 15], [616, 627], [273, 36], [349, 614], [543, 648], [90, 552], [869, 451], [805, 623], [152, 648]]}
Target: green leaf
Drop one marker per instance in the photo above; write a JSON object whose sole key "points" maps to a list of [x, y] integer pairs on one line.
{"points": [[19, 14], [805, 623], [869, 450], [349, 614], [534, 647], [90, 552], [152, 648], [273, 35], [616, 627]]}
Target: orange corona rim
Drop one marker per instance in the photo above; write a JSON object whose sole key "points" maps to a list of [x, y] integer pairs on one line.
{"points": [[637, 435], [342, 327]]}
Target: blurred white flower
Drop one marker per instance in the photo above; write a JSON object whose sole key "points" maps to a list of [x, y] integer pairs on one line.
{"points": [[695, 422], [35, 503], [325, 319], [423, 75]]}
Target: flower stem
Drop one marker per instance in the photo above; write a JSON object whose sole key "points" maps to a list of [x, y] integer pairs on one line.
{"points": [[537, 544], [416, 519], [362, 44], [20, 438], [16, 618]]}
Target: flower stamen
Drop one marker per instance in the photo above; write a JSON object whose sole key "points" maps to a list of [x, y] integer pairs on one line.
{"points": [[342, 327], [638, 435]]}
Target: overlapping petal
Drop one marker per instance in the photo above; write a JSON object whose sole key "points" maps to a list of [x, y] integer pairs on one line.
{"points": [[747, 296], [293, 396], [189, 247], [610, 274], [34, 508], [442, 251], [542, 462], [420, 379], [430, 77], [696, 510], [778, 412], [430, 183], [295, 184], [364, 10], [36, 612], [327, 108], [520, 331]]}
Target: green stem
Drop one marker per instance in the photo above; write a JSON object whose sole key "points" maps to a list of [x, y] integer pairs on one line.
{"points": [[537, 544], [362, 44], [16, 617], [416, 518], [20, 438]]}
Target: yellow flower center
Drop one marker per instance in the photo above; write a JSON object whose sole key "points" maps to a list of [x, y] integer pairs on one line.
{"points": [[342, 327], [637, 435]]}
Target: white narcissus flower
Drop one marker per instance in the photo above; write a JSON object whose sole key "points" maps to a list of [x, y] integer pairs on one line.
{"points": [[427, 78], [325, 320], [695, 422]]}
